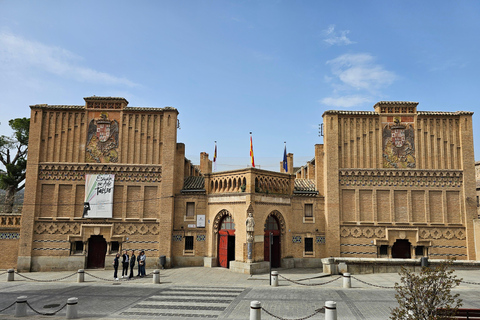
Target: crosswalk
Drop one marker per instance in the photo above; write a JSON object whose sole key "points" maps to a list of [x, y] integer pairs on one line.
{"points": [[186, 302]]}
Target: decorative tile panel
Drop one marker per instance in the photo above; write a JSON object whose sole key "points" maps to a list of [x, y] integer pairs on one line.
{"points": [[201, 237], [296, 239], [9, 235]]}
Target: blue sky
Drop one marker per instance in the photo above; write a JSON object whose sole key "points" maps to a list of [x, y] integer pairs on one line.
{"points": [[231, 67]]}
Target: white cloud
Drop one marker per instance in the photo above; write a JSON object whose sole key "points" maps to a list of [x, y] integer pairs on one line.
{"points": [[359, 71], [345, 101], [333, 37], [17, 54], [356, 79]]}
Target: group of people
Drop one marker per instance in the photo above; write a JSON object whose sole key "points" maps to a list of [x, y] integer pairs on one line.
{"points": [[129, 261]]}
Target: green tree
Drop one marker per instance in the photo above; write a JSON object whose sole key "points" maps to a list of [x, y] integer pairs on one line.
{"points": [[421, 295], [13, 156]]}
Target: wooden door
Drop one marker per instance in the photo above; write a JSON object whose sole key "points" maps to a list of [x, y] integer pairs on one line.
{"points": [[223, 248], [97, 248], [275, 248]]}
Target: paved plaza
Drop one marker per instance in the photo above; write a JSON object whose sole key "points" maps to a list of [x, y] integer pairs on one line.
{"points": [[211, 293]]}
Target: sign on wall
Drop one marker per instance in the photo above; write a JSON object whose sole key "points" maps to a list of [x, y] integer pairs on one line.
{"points": [[98, 195]]}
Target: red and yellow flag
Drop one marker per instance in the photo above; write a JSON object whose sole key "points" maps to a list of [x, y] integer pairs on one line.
{"points": [[251, 151]]}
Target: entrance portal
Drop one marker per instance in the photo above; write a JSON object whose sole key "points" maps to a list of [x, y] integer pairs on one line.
{"points": [[401, 249], [97, 248], [272, 227], [226, 242]]}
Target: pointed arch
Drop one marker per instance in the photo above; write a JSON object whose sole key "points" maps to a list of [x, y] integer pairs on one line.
{"points": [[280, 219], [219, 217]]}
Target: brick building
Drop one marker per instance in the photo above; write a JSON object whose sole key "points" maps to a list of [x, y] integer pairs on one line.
{"points": [[394, 182]]}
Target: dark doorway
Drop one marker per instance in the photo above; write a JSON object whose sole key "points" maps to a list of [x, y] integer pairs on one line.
{"points": [[271, 226], [97, 248], [402, 249]]}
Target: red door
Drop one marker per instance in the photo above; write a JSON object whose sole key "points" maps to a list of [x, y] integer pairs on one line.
{"points": [[223, 248], [97, 248]]}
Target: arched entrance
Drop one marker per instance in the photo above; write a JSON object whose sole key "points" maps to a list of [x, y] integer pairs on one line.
{"points": [[272, 226], [226, 242], [97, 248], [402, 249]]}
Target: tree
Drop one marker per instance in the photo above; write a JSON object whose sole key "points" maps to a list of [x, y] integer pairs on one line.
{"points": [[420, 296], [13, 155]]}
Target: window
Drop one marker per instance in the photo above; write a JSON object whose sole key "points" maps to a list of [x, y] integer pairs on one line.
{"points": [[115, 246], [308, 210], [188, 243], [309, 245], [77, 247], [227, 224], [383, 250], [190, 214], [419, 250]]}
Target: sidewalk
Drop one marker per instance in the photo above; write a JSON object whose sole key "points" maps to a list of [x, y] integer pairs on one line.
{"points": [[213, 293]]}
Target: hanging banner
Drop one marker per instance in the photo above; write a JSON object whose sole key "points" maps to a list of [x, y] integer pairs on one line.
{"points": [[98, 196]]}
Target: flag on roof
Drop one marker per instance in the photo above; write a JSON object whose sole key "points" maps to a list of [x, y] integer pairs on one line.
{"points": [[251, 151], [215, 158], [285, 164]]}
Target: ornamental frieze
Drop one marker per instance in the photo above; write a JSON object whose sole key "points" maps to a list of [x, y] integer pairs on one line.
{"points": [[57, 228], [423, 233], [68, 172], [401, 178], [136, 228]]}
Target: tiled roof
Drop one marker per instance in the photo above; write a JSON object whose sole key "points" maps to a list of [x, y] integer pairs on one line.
{"points": [[194, 184], [305, 185]]}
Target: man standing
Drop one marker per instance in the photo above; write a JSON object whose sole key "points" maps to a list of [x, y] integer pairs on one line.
{"points": [[125, 260], [132, 264]]}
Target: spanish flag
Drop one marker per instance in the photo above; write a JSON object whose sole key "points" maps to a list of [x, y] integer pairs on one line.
{"points": [[251, 151]]}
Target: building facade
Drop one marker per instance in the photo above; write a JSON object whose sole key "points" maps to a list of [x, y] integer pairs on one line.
{"points": [[394, 182]]}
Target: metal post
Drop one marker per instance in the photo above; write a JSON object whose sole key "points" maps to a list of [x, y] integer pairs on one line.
{"points": [[72, 308], [21, 307], [347, 280], [274, 278], [330, 310], [270, 239], [10, 274], [80, 275], [156, 276], [255, 310]]}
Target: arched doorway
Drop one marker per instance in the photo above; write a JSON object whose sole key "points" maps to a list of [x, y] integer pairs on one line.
{"points": [[226, 242], [97, 248], [272, 226], [402, 249]]}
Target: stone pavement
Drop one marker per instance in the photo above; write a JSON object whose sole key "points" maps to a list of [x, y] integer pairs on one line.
{"points": [[212, 293]]}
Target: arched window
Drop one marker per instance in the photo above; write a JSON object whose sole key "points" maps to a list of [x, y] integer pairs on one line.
{"points": [[271, 224], [227, 224]]}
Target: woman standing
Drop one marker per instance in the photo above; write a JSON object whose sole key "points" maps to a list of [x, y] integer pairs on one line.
{"points": [[142, 264], [115, 265]]}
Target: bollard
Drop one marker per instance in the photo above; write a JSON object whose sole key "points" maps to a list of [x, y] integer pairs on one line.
{"points": [[330, 310], [72, 308], [255, 310], [347, 280], [10, 274], [21, 307], [274, 276], [80, 275], [156, 276]]}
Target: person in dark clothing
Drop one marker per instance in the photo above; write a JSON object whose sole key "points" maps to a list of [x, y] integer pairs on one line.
{"points": [[125, 264], [132, 264], [115, 265], [138, 264]]}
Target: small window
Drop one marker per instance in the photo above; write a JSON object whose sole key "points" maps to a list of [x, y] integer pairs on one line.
{"points": [[190, 210], [77, 247], [308, 210], [189, 243], [383, 250], [308, 245], [419, 251], [115, 246]]}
